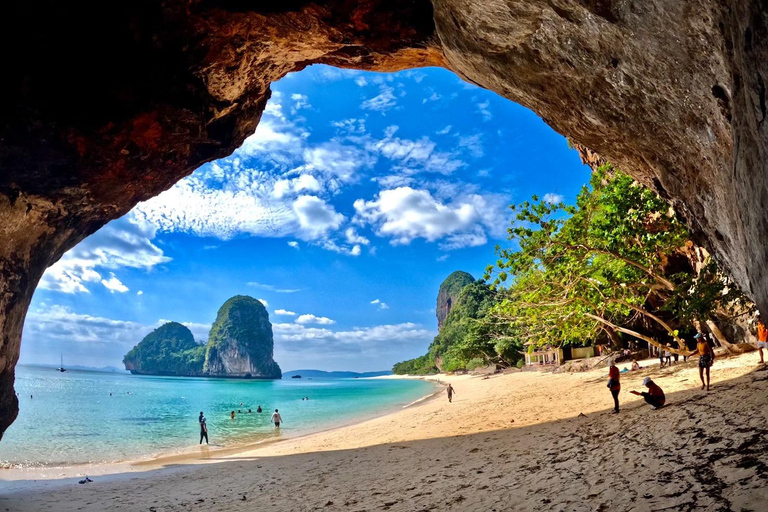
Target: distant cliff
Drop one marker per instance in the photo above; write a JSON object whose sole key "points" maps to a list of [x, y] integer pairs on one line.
{"points": [[449, 292], [240, 343], [168, 350]]}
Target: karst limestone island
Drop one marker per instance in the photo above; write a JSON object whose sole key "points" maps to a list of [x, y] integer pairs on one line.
{"points": [[240, 345]]}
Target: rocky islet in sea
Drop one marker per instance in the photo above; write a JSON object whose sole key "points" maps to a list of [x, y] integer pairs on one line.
{"points": [[240, 344]]}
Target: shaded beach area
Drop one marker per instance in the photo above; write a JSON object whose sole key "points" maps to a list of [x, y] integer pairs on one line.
{"points": [[521, 441]]}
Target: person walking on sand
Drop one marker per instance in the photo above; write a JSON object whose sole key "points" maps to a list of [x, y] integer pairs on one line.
{"points": [[276, 419], [706, 358], [762, 337], [654, 396], [450, 392], [614, 385], [203, 428]]}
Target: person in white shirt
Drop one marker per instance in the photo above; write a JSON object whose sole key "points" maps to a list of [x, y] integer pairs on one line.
{"points": [[276, 419]]}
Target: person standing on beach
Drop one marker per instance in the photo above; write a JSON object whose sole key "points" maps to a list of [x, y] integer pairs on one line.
{"points": [[277, 419], [762, 337], [706, 357], [203, 428], [654, 396], [614, 385], [450, 392]]}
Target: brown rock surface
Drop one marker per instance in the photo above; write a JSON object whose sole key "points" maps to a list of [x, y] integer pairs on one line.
{"points": [[103, 104]]}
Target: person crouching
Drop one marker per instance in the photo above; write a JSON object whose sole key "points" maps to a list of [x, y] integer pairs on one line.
{"points": [[654, 396]]}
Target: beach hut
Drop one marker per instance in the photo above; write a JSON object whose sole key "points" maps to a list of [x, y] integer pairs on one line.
{"points": [[544, 355]]}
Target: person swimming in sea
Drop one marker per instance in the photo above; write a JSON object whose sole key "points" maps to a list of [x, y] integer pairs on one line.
{"points": [[258, 409], [232, 416]]}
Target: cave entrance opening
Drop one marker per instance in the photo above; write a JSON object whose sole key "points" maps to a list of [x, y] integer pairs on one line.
{"points": [[358, 193]]}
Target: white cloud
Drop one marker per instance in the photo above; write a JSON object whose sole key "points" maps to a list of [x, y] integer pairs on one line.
{"points": [[553, 198], [443, 257], [372, 339], [361, 81], [284, 312], [140, 292], [444, 131], [355, 251], [300, 101], [384, 101], [354, 238], [264, 301], [380, 304], [316, 217], [405, 214], [312, 319], [273, 288], [125, 242], [113, 284], [482, 109], [294, 244]]}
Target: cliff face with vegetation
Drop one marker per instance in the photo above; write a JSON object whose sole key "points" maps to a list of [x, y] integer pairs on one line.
{"points": [[168, 350], [464, 340], [240, 343], [449, 292]]}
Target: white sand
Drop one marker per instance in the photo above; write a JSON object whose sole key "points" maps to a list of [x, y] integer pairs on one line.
{"points": [[509, 442]]}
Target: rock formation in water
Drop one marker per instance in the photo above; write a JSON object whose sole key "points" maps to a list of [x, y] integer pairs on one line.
{"points": [[240, 343], [168, 350], [449, 291], [95, 117]]}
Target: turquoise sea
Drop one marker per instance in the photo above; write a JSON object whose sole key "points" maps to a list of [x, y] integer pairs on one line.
{"points": [[71, 418]]}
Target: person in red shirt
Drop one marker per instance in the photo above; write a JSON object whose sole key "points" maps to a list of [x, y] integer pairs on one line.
{"points": [[762, 337], [614, 385], [654, 397]]}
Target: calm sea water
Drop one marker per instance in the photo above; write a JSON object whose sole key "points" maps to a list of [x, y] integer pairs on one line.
{"points": [[72, 419]]}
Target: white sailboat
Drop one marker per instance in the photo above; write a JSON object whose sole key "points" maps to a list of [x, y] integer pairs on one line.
{"points": [[61, 367]]}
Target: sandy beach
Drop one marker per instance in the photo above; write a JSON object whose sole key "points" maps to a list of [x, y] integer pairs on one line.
{"points": [[521, 441]]}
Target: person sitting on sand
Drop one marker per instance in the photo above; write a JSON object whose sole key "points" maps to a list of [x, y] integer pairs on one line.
{"points": [[706, 357], [614, 385], [276, 419], [258, 409], [654, 397], [450, 392], [762, 337], [636, 366], [203, 428]]}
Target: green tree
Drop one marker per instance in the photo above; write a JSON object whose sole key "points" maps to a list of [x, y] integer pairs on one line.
{"points": [[600, 266]]}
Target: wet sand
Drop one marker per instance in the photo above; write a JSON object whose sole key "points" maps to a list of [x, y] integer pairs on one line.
{"points": [[523, 441]]}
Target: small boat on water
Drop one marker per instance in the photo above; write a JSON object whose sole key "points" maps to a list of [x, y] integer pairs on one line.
{"points": [[61, 366], [295, 376]]}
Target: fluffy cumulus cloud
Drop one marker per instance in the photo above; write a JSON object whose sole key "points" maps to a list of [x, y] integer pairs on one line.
{"points": [[284, 312], [312, 319], [404, 214], [316, 217], [126, 242]]}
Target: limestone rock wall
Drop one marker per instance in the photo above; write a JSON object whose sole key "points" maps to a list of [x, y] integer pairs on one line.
{"points": [[96, 116]]}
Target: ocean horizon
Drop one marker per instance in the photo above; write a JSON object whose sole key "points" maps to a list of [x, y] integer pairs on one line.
{"points": [[94, 417]]}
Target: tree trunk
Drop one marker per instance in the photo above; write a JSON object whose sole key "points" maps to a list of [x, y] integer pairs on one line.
{"points": [[611, 332], [718, 334]]}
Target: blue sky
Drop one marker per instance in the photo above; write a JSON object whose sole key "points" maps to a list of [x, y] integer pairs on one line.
{"points": [[357, 195]]}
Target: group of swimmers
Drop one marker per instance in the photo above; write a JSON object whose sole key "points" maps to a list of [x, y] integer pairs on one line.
{"points": [[276, 419], [655, 395]]}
